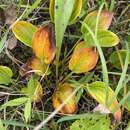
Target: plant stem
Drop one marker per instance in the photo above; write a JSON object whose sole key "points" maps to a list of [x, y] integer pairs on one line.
{"points": [[123, 76], [112, 5], [67, 77], [57, 63]]}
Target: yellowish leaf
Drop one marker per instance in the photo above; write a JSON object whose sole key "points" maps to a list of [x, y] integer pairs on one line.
{"points": [[60, 95], [104, 20], [83, 58], [98, 91], [44, 43]]}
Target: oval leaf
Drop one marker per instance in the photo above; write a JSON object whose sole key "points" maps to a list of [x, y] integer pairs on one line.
{"points": [[117, 58], [60, 96], [91, 19], [34, 90], [105, 38], [98, 91], [27, 110], [5, 75], [34, 65], [14, 102], [44, 43], [83, 58], [24, 31], [76, 10], [75, 13]]}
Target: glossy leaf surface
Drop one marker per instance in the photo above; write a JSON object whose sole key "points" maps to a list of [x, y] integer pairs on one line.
{"points": [[60, 95], [75, 13], [44, 43], [63, 10], [98, 91], [76, 10], [91, 19], [33, 90], [24, 31], [105, 38], [5, 75], [117, 58], [83, 58]]}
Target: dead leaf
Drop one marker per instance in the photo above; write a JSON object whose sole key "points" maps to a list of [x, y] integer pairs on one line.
{"points": [[10, 14], [12, 43], [100, 108]]}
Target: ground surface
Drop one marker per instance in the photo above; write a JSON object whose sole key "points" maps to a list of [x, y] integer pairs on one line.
{"points": [[20, 53]]}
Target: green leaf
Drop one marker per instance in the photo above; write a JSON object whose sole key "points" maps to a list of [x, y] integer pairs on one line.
{"points": [[14, 102], [104, 20], [63, 11], [24, 31], [78, 116], [83, 58], [33, 90], [19, 124], [5, 75], [1, 126], [51, 9], [76, 10], [98, 91], [27, 110], [127, 104], [31, 86], [31, 8], [117, 58], [92, 123], [75, 13], [128, 126], [105, 38]]}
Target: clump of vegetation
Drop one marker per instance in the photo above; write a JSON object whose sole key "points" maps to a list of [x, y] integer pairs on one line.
{"points": [[71, 62]]}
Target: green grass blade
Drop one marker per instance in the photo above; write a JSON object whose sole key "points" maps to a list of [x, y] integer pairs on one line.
{"points": [[122, 102], [63, 11], [78, 116], [104, 67], [15, 123], [30, 10], [123, 75], [112, 5]]}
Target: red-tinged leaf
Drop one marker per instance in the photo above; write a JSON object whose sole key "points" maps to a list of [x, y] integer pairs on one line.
{"points": [[34, 65], [105, 20], [44, 43], [83, 58], [98, 91], [60, 95]]}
